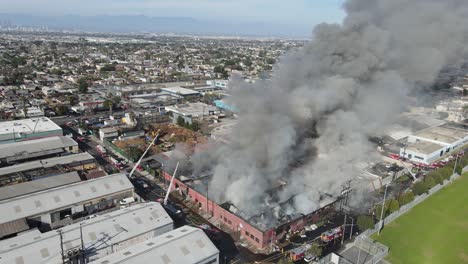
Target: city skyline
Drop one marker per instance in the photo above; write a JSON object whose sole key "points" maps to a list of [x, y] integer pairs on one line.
{"points": [[258, 17]]}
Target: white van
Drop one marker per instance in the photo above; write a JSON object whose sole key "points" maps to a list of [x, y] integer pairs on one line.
{"points": [[128, 200]]}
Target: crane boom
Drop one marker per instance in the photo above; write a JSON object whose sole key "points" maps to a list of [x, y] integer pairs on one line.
{"points": [[170, 184], [410, 172], [142, 156]]}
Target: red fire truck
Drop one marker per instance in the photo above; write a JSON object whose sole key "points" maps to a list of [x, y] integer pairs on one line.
{"points": [[330, 235]]}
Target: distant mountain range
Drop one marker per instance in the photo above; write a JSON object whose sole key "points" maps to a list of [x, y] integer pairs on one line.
{"points": [[140, 23]]}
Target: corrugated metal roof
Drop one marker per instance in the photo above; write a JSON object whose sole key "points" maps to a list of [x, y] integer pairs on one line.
{"points": [[59, 197], [13, 227], [46, 163], [7, 192], [24, 148], [99, 233], [186, 245]]}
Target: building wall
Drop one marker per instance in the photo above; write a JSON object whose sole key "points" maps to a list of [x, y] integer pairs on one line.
{"points": [[420, 157]]}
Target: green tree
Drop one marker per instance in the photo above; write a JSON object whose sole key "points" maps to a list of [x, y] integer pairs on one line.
{"points": [[419, 188], [61, 109], [316, 249], [365, 222], [393, 206], [406, 198], [181, 121], [429, 182], [83, 85], [134, 153]]}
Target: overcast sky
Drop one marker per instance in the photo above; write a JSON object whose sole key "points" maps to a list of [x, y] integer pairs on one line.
{"points": [[287, 12]]}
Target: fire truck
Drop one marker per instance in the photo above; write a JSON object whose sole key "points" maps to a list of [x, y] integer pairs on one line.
{"points": [[332, 234]]}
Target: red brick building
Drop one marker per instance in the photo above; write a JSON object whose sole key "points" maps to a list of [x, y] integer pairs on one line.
{"points": [[261, 237]]}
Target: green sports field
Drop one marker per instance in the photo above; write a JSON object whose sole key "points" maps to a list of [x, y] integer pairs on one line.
{"points": [[435, 231]]}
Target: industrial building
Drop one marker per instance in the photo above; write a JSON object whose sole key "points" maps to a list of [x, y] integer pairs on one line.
{"points": [[187, 245], [254, 230], [431, 144], [47, 167], [49, 207], [191, 111], [184, 92], [36, 149], [90, 239], [27, 129]]}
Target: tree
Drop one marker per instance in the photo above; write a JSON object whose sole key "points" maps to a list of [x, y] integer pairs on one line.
{"points": [[419, 188], [315, 249], [181, 121], [61, 109], [429, 182], [83, 85], [365, 222], [406, 198], [134, 153], [393, 206]]}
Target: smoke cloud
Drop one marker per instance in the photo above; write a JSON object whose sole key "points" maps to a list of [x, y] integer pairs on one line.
{"points": [[309, 124]]}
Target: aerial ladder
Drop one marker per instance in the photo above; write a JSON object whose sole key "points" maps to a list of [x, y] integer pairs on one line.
{"points": [[410, 172], [142, 156]]}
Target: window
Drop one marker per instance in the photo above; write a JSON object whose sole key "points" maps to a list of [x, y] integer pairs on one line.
{"points": [[251, 236], [247, 233], [256, 240], [212, 261], [229, 221], [417, 157]]}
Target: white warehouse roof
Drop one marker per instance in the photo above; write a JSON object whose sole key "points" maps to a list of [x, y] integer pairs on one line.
{"points": [[59, 197], [180, 90], [42, 124], [187, 245], [101, 235], [37, 145]]}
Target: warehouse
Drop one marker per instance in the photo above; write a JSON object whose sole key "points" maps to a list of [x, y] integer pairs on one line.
{"points": [[191, 111], [431, 144], [180, 91], [35, 149], [47, 208], [27, 129], [255, 230], [102, 235], [186, 245], [10, 191], [47, 167]]}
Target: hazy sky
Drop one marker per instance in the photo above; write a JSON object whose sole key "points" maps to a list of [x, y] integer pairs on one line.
{"points": [[287, 12]]}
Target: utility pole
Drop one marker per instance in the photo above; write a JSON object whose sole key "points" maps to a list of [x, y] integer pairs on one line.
{"points": [[352, 225], [382, 211], [344, 228], [83, 257], [61, 245], [455, 166]]}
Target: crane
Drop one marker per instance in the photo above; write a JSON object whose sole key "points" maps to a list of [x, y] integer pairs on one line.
{"points": [[142, 156], [170, 184], [410, 172]]}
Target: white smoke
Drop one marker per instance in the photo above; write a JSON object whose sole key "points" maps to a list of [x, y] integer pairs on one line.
{"points": [[309, 124]]}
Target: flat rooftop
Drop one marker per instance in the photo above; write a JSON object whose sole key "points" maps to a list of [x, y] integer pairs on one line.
{"points": [[42, 124], [47, 163], [37, 145], [443, 134], [187, 245], [10, 191], [53, 199], [424, 147], [179, 90], [193, 109], [98, 233]]}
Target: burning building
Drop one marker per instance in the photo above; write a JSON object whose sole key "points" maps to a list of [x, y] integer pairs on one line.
{"points": [[309, 124], [263, 230]]}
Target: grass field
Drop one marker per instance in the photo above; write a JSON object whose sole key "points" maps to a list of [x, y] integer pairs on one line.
{"points": [[435, 231]]}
